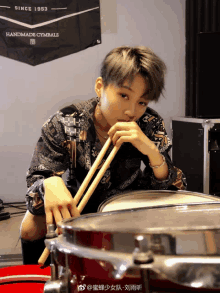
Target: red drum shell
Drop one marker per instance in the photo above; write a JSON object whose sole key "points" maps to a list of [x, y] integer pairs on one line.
{"points": [[93, 275], [23, 279], [130, 284]]}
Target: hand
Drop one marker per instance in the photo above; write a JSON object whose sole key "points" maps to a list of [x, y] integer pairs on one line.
{"points": [[131, 132], [58, 201]]}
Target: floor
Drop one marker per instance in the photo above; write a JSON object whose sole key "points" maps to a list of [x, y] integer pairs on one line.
{"points": [[10, 246]]}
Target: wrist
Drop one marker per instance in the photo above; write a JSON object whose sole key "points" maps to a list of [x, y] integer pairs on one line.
{"points": [[155, 158], [159, 166], [53, 181]]}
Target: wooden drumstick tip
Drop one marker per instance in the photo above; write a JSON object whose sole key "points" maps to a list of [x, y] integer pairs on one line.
{"points": [[44, 256]]}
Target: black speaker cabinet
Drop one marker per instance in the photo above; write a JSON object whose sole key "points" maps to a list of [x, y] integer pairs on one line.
{"points": [[196, 151], [208, 75]]}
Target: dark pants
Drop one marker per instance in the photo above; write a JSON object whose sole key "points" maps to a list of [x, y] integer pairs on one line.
{"points": [[32, 250]]}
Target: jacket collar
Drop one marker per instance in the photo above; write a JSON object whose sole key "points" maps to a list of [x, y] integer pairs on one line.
{"points": [[87, 109]]}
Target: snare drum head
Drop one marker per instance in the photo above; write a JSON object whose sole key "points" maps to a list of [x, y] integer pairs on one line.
{"points": [[159, 219], [149, 198]]}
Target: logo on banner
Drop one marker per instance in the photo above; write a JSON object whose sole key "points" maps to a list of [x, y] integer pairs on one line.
{"points": [[47, 32]]}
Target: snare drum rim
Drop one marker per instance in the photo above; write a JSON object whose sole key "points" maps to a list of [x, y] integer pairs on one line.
{"points": [[171, 192], [64, 223]]}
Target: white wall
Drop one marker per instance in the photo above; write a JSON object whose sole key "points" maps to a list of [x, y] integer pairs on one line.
{"points": [[29, 95]]}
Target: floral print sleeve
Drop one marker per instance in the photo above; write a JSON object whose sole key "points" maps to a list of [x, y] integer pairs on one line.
{"points": [[153, 126], [50, 158]]}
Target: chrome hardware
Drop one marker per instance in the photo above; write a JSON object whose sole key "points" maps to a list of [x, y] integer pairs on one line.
{"points": [[156, 244], [142, 253], [61, 285], [53, 287], [51, 231], [73, 280], [60, 276], [51, 235]]}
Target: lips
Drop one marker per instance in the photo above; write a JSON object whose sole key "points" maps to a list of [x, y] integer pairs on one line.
{"points": [[123, 120]]}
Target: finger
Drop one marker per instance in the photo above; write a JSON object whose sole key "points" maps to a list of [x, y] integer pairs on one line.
{"points": [[123, 139], [65, 212], [125, 125], [119, 134], [119, 126], [73, 209], [49, 217], [58, 217]]}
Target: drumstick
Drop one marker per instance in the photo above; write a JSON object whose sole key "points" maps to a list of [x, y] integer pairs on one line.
{"points": [[97, 179], [91, 189], [95, 165]]}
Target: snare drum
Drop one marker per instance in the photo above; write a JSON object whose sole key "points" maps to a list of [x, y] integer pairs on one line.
{"points": [[153, 198], [25, 279], [175, 237]]}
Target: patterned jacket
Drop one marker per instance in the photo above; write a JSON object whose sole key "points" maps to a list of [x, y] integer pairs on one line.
{"points": [[54, 155]]}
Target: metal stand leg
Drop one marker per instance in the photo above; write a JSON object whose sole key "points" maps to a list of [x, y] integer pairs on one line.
{"points": [[145, 276], [143, 255]]}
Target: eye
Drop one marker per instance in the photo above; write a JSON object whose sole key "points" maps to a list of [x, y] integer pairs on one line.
{"points": [[144, 104], [124, 96]]}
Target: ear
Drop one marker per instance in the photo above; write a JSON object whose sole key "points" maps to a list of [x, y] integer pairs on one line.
{"points": [[99, 86]]}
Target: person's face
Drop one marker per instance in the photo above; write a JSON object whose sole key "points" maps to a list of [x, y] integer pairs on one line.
{"points": [[126, 103]]}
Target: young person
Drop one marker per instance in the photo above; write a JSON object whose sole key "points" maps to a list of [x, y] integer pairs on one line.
{"points": [[131, 77]]}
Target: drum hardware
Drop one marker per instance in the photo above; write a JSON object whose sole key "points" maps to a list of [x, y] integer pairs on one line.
{"points": [[62, 283], [142, 255], [156, 244], [73, 280], [60, 276], [51, 231], [51, 234]]}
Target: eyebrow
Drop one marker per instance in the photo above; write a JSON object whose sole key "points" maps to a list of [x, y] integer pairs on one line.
{"points": [[144, 96], [127, 87]]}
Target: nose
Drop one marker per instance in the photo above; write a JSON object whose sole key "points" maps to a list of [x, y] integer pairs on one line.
{"points": [[130, 112]]}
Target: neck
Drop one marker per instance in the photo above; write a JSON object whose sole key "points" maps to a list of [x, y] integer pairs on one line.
{"points": [[99, 121]]}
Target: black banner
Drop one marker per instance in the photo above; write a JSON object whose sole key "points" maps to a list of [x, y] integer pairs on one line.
{"points": [[38, 31]]}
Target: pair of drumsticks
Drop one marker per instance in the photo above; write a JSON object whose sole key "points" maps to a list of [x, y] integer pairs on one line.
{"points": [[85, 183]]}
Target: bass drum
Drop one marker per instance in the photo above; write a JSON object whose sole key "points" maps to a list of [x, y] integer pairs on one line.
{"points": [[24, 279], [153, 198]]}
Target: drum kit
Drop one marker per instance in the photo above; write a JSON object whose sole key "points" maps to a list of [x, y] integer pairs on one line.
{"points": [[141, 241]]}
